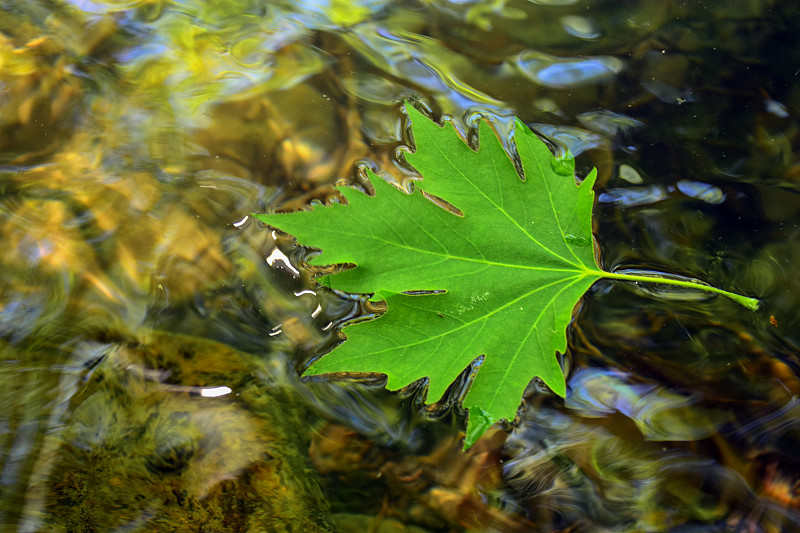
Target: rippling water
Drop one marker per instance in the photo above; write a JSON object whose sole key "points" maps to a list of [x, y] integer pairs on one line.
{"points": [[152, 333]]}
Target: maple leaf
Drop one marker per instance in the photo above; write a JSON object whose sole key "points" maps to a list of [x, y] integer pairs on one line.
{"points": [[506, 275]]}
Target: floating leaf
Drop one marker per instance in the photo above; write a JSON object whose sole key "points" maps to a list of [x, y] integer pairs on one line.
{"points": [[507, 272]]}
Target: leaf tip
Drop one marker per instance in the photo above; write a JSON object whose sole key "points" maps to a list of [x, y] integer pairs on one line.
{"points": [[478, 422], [412, 112]]}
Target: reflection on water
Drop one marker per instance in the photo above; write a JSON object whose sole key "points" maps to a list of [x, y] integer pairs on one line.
{"points": [[563, 73], [152, 333]]}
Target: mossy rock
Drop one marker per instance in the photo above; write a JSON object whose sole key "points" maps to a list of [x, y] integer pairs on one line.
{"points": [[145, 451]]}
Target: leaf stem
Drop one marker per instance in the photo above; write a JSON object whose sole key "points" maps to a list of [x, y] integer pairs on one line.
{"points": [[750, 303]]}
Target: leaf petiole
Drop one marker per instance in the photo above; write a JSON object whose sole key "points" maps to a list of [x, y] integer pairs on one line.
{"points": [[750, 303]]}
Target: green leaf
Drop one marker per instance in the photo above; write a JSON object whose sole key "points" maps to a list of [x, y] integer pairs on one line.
{"points": [[509, 271]]}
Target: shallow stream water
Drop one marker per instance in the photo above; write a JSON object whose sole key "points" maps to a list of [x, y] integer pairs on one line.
{"points": [[152, 334]]}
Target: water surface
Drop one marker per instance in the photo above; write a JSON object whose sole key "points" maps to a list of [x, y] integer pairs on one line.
{"points": [[152, 333]]}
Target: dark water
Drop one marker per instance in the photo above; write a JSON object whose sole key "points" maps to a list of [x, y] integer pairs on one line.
{"points": [[152, 334]]}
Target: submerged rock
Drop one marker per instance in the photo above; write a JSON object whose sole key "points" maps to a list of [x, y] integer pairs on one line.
{"points": [[147, 447]]}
